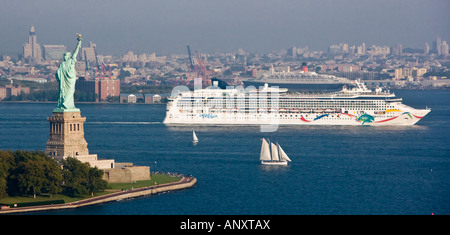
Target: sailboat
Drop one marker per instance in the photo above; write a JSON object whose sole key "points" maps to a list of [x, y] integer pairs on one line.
{"points": [[194, 137], [272, 154]]}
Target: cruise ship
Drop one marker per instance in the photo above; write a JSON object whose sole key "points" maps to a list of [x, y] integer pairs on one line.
{"points": [[272, 105], [299, 80]]}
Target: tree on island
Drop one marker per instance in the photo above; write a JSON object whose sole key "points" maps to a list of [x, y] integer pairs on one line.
{"points": [[6, 163], [26, 172], [34, 172], [80, 178]]}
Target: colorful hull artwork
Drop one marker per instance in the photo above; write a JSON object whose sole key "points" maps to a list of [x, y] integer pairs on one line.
{"points": [[321, 116], [364, 118], [303, 119]]}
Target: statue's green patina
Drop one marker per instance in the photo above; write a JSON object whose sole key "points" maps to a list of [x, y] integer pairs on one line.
{"points": [[66, 75]]}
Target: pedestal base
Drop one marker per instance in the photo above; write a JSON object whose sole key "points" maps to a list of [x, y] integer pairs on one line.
{"points": [[60, 110], [66, 135]]}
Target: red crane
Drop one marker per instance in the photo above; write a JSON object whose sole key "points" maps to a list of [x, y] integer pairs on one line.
{"points": [[101, 70], [198, 68]]}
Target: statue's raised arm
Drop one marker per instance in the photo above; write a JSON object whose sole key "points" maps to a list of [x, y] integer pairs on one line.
{"points": [[66, 75], [75, 52]]}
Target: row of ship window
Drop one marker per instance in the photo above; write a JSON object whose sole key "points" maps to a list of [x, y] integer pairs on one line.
{"points": [[281, 117], [279, 100], [288, 104], [291, 116], [298, 107]]}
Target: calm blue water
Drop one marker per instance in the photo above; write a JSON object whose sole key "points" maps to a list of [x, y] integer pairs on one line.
{"points": [[335, 170]]}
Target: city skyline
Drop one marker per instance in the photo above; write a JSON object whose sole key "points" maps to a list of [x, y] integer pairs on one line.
{"points": [[166, 27]]}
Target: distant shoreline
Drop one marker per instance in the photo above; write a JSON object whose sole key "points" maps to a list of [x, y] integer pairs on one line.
{"points": [[105, 102]]}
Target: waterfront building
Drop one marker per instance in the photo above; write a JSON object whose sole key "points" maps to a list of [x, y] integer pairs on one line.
{"points": [[132, 98], [152, 98], [10, 90], [100, 89]]}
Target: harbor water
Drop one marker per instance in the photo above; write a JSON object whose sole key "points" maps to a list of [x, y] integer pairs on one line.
{"points": [[334, 169]]}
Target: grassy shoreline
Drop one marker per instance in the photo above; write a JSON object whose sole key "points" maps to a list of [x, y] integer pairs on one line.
{"points": [[156, 179]]}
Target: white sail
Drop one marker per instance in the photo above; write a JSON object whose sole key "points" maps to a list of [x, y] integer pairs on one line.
{"points": [[265, 151], [274, 152], [283, 155], [194, 136]]}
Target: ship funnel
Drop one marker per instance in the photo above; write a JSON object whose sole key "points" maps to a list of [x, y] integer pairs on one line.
{"points": [[304, 67]]}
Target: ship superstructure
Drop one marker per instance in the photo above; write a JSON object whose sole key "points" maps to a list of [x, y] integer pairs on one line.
{"points": [[273, 105], [303, 80]]}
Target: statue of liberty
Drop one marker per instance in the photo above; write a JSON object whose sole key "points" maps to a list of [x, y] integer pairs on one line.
{"points": [[66, 75]]}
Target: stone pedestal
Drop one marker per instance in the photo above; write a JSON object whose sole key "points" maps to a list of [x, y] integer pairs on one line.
{"points": [[66, 135]]}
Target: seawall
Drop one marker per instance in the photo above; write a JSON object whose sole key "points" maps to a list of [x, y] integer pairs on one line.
{"points": [[185, 182]]}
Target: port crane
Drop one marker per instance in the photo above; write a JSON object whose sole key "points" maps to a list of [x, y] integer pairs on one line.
{"points": [[101, 69], [197, 67]]}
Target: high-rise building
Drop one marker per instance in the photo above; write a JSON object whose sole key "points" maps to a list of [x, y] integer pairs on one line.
{"points": [[361, 50], [438, 45], [54, 52], [129, 57], [89, 54], [292, 51], [399, 74], [427, 48], [32, 50], [397, 49], [444, 48]]}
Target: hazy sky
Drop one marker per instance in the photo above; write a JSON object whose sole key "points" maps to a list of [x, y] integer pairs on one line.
{"points": [[167, 26]]}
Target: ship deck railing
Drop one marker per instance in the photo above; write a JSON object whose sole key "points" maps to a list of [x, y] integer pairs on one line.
{"points": [[335, 95]]}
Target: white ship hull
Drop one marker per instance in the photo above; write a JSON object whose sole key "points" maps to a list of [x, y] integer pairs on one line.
{"points": [[355, 107], [401, 118]]}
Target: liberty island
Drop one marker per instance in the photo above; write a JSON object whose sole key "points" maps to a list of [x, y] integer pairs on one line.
{"points": [[66, 141]]}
